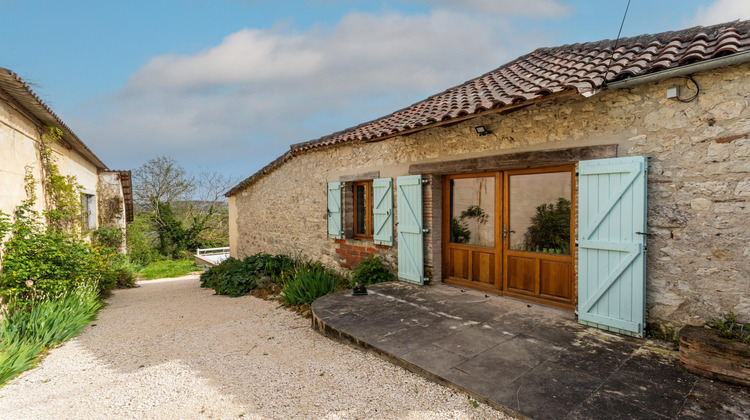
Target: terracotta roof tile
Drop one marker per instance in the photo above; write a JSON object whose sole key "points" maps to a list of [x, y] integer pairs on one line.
{"points": [[583, 68]]}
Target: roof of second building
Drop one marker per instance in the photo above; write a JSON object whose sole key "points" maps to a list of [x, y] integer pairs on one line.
{"points": [[20, 92], [583, 68]]}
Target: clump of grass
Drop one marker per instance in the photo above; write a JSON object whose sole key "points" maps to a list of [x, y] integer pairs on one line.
{"points": [[310, 282], [26, 333], [730, 329], [167, 269]]}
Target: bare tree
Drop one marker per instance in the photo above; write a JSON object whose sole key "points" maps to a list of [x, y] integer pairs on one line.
{"points": [[161, 180], [186, 212]]}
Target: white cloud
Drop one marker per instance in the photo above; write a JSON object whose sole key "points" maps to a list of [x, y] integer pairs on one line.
{"points": [[242, 102], [533, 8], [722, 11]]}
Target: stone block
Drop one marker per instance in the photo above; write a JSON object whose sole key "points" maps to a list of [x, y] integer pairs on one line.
{"points": [[743, 189], [718, 152]]}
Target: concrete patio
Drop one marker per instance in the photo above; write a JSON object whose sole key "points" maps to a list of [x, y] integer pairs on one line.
{"points": [[526, 359]]}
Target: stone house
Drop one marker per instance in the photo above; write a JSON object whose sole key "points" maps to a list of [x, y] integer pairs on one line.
{"points": [[609, 178], [106, 196]]}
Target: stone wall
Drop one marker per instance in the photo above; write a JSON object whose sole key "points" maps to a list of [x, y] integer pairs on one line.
{"points": [[698, 199], [111, 205]]}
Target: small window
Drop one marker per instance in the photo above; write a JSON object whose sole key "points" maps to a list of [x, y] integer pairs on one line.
{"points": [[362, 205], [88, 202]]}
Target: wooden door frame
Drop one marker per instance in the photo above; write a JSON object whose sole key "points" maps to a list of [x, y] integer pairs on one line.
{"points": [[446, 226], [569, 305], [502, 217]]}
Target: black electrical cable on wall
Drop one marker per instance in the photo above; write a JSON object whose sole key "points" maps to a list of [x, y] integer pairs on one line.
{"points": [[697, 91]]}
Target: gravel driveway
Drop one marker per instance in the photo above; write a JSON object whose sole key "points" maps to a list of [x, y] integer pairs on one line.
{"points": [[170, 349]]}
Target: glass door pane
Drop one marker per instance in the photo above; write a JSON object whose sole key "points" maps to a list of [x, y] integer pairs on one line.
{"points": [[540, 212], [472, 211]]}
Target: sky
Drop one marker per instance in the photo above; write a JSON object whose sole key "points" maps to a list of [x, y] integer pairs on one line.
{"points": [[227, 85]]}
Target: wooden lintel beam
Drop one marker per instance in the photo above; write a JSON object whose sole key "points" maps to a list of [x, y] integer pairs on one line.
{"points": [[518, 160]]}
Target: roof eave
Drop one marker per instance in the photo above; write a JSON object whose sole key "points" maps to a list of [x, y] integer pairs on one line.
{"points": [[22, 94]]}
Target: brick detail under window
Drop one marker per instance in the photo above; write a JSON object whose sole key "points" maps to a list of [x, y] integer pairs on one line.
{"points": [[351, 255]]}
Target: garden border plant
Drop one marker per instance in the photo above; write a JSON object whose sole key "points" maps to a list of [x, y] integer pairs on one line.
{"points": [[293, 281], [51, 279]]}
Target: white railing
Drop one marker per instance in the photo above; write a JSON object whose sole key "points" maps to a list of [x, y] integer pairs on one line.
{"points": [[211, 256], [213, 251]]}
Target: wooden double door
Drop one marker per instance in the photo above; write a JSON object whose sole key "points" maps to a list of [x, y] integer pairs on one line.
{"points": [[511, 233]]}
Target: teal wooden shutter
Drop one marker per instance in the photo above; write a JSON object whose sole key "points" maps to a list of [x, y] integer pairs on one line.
{"points": [[612, 244], [410, 245], [382, 211], [335, 229]]}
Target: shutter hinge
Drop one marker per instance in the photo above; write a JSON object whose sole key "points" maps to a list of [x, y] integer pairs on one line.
{"points": [[426, 279], [425, 231], [425, 181]]}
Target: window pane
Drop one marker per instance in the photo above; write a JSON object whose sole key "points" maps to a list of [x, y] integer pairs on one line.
{"points": [[473, 211], [359, 198], [540, 212]]}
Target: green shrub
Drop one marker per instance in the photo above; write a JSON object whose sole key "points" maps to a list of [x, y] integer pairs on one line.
{"points": [[39, 262], [238, 277], [122, 271], [232, 277], [140, 246], [107, 237], [310, 282], [26, 331], [370, 271], [277, 266]]}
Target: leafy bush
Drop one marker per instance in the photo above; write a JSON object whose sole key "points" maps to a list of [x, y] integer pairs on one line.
{"points": [[238, 277], [140, 246], [25, 332], [277, 266], [122, 271], [310, 282], [40, 262], [370, 271], [107, 237], [232, 277], [730, 329]]}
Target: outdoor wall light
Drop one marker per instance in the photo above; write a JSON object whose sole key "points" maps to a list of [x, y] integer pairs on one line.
{"points": [[482, 130]]}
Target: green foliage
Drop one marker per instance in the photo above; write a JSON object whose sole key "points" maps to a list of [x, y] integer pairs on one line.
{"points": [[139, 240], [550, 228], [25, 332], [370, 271], [62, 193], [310, 282], [40, 262], [17, 356], [474, 212], [179, 212], [122, 272], [730, 329], [460, 233], [235, 277], [232, 277], [167, 269], [107, 237], [175, 237]]}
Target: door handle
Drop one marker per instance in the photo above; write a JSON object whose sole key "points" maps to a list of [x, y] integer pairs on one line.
{"points": [[506, 231]]}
